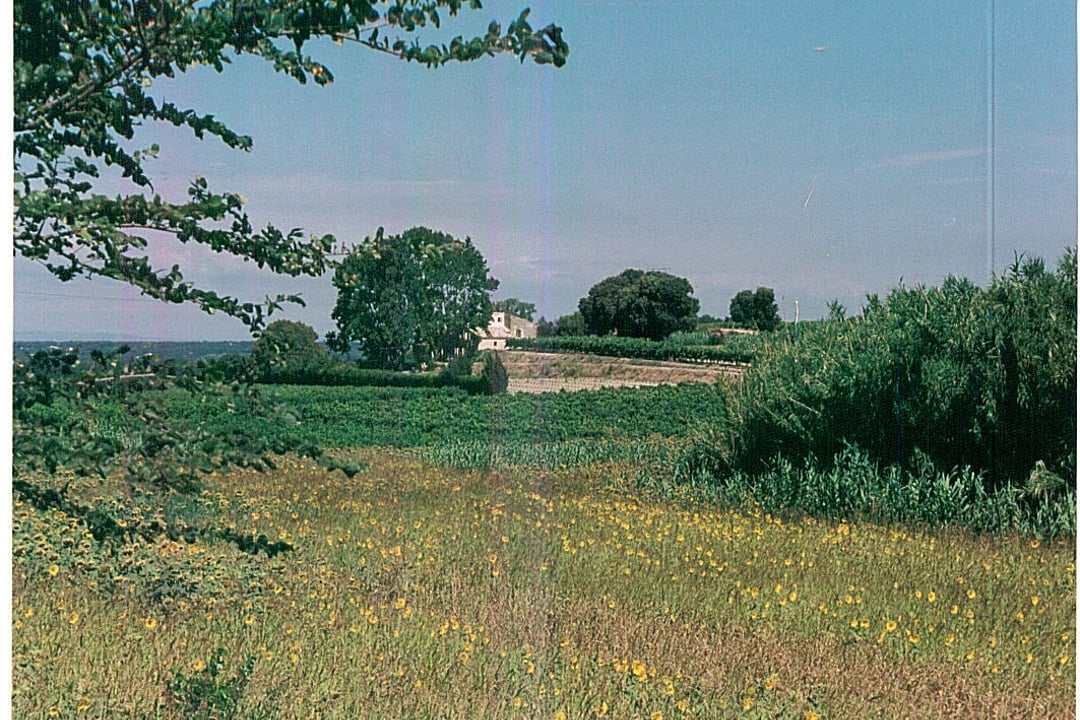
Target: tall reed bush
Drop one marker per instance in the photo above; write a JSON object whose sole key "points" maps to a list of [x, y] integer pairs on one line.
{"points": [[955, 376]]}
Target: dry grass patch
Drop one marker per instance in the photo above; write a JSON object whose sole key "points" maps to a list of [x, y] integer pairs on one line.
{"points": [[551, 372]]}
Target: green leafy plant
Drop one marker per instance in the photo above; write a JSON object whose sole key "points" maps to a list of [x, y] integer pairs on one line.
{"points": [[208, 694], [287, 345], [496, 378]]}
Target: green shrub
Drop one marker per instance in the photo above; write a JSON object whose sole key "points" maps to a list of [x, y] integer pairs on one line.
{"points": [[954, 376], [285, 344], [207, 694], [496, 379], [229, 368], [348, 374]]}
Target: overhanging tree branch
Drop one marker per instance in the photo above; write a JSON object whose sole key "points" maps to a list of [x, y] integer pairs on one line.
{"points": [[83, 81]]}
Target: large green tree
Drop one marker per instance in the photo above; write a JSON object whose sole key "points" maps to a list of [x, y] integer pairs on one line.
{"points": [[85, 80], [756, 309], [416, 295], [636, 303], [287, 345]]}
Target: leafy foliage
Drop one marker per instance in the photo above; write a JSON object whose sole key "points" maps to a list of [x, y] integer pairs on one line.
{"points": [[418, 295], [517, 308], [967, 377], [287, 345], [208, 694], [83, 83], [111, 415], [637, 303], [228, 368], [756, 309]]}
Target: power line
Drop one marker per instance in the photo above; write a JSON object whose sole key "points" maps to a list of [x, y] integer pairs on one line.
{"points": [[86, 297]]}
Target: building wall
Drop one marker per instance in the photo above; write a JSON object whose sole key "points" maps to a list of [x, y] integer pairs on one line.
{"points": [[502, 326]]}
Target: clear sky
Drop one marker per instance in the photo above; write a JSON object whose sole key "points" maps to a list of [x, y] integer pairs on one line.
{"points": [[824, 149]]}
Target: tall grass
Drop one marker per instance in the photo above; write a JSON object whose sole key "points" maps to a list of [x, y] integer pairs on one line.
{"points": [[646, 455], [853, 485], [417, 592]]}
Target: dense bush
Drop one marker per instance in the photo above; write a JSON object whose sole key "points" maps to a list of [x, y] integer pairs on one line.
{"points": [[636, 348], [348, 374], [229, 368], [967, 377], [496, 378], [287, 345]]}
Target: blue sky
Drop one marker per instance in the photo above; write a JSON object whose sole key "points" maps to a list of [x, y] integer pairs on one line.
{"points": [[824, 149]]}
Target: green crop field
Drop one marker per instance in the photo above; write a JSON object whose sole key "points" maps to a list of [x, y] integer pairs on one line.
{"points": [[406, 417]]}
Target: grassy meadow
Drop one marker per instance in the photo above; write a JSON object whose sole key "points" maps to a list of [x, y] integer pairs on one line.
{"points": [[422, 591]]}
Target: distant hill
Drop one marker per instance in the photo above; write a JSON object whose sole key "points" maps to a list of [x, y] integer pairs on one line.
{"points": [[183, 351]]}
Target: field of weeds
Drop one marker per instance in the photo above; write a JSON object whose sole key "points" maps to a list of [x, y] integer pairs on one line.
{"points": [[423, 592]]}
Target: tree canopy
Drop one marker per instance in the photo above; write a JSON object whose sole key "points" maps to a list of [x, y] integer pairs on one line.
{"points": [[286, 345], [647, 304], [84, 83], [756, 309], [517, 308], [420, 294]]}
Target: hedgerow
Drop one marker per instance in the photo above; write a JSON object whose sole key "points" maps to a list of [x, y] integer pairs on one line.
{"points": [[636, 348]]}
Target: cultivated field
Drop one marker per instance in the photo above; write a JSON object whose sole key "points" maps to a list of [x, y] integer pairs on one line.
{"points": [[534, 372], [425, 592]]}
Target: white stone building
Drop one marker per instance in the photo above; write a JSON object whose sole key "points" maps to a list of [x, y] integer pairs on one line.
{"points": [[503, 326]]}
